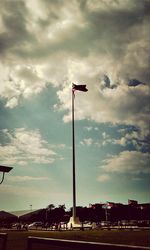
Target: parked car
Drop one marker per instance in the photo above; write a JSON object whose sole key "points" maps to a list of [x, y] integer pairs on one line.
{"points": [[63, 225], [35, 225], [87, 225], [105, 223], [15, 225]]}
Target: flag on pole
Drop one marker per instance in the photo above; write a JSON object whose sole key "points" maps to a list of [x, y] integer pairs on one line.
{"points": [[79, 87]]}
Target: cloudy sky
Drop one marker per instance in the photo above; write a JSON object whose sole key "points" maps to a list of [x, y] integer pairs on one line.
{"points": [[45, 46]]}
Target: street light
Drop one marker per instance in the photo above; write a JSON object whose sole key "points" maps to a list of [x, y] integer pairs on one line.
{"points": [[4, 169]]}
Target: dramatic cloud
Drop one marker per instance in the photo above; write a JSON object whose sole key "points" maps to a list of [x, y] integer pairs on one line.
{"points": [[46, 45], [132, 162], [25, 146], [104, 44]]}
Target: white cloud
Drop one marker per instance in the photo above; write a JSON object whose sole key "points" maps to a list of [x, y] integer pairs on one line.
{"points": [[122, 141], [103, 178], [25, 146], [87, 142], [131, 162], [117, 106], [26, 178], [138, 138], [60, 146], [18, 190], [88, 128], [110, 5], [13, 102], [105, 135], [21, 81]]}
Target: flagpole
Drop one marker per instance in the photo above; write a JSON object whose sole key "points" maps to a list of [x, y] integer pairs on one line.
{"points": [[73, 160], [74, 221]]}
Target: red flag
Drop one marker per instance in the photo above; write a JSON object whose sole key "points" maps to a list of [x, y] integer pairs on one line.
{"points": [[79, 87]]}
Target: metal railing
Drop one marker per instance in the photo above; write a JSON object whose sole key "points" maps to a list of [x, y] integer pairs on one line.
{"points": [[3, 241], [37, 243]]}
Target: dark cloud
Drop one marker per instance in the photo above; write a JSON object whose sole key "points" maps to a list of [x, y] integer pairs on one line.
{"points": [[112, 30], [134, 83], [105, 29], [106, 83], [14, 19], [82, 40], [53, 11]]}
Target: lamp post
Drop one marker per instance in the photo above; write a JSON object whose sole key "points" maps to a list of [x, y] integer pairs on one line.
{"points": [[30, 207], [4, 169], [141, 208]]}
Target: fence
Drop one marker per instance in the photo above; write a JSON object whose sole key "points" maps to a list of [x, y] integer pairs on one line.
{"points": [[37, 243], [3, 241]]}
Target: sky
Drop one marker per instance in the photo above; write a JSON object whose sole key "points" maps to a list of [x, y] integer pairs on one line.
{"points": [[45, 46]]}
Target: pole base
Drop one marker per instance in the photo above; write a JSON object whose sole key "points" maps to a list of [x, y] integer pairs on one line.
{"points": [[74, 223]]}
